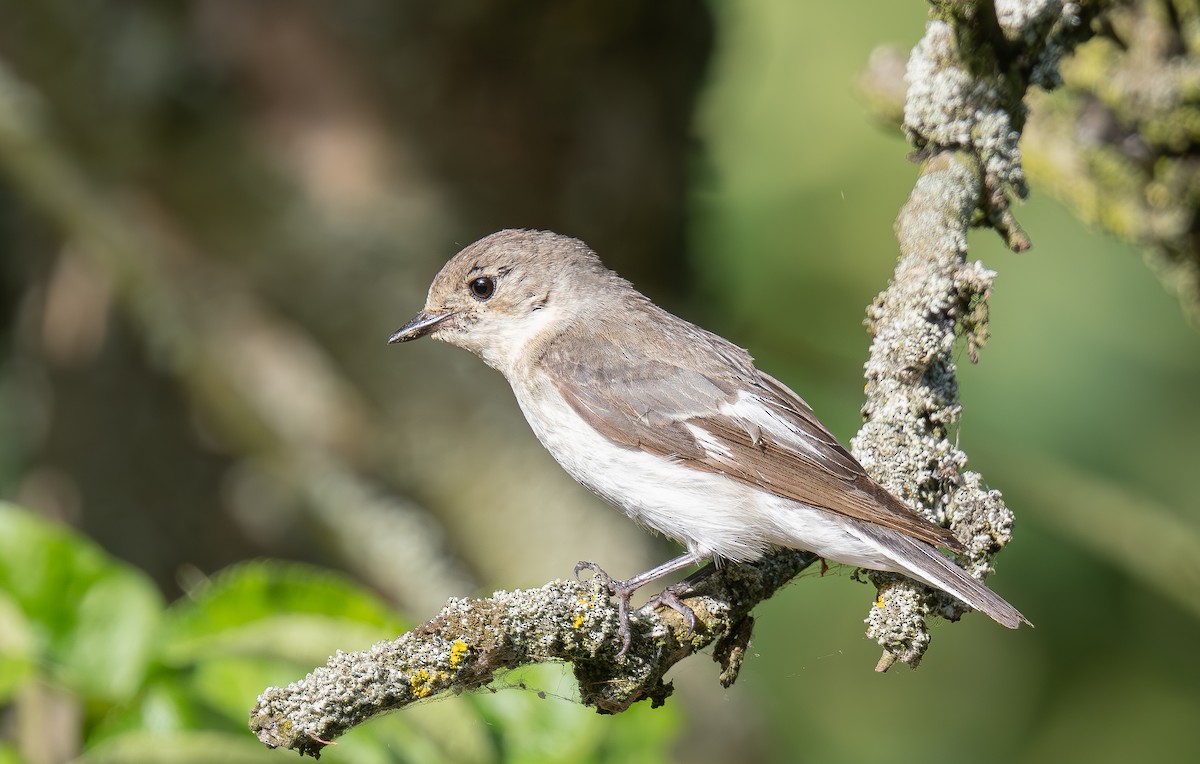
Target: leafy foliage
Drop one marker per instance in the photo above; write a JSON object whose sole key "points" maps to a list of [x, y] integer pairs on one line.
{"points": [[173, 683]]}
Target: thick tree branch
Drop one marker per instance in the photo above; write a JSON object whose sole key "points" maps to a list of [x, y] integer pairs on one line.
{"points": [[464, 645], [964, 112], [1117, 144], [912, 395]]}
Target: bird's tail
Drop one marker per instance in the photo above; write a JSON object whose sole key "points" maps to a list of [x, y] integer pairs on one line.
{"points": [[925, 563]]}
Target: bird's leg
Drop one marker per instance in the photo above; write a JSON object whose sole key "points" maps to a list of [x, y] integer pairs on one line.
{"points": [[623, 591]]}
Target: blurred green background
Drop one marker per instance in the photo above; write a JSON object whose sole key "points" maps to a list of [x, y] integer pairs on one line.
{"points": [[227, 207]]}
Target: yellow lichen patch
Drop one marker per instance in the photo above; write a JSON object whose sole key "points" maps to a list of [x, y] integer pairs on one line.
{"points": [[581, 617], [458, 651], [421, 684], [879, 599]]}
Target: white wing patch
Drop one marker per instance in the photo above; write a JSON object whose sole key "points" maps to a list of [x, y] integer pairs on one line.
{"points": [[757, 417], [711, 444]]}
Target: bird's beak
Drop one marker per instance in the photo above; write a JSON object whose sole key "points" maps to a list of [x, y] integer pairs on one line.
{"points": [[421, 324]]}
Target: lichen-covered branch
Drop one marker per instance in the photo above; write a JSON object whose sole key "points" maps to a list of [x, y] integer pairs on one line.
{"points": [[964, 112], [912, 394], [1117, 142], [464, 645], [968, 77]]}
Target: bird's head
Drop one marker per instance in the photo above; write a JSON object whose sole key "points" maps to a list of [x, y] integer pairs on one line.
{"points": [[507, 290]]}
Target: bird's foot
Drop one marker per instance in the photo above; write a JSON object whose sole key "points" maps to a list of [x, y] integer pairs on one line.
{"points": [[670, 598], [623, 591]]}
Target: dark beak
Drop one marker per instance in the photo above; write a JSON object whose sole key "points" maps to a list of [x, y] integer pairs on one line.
{"points": [[421, 324]]}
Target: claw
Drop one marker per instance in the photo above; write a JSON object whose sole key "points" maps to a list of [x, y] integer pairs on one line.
{"points": [[670, 598], [583, 565], [623, 592]]}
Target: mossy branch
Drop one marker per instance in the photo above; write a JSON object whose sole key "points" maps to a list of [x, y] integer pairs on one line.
{"points": [[1116, 143], [964, 111], [465, 644], [912, 395]]}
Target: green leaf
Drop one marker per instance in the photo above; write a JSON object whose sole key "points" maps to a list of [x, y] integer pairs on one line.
{"points": [[165, 706], [275, 610], [18, 655], [93, 619], [117, 617]]}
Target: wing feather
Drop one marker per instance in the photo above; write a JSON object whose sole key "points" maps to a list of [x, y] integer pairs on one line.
{"points": [[768, 437]]}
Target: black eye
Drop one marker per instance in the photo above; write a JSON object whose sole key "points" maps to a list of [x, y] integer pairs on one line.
{"points": [[483, 287]]}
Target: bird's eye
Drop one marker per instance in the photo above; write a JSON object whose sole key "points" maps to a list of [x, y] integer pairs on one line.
{"points": [[483, 288]]}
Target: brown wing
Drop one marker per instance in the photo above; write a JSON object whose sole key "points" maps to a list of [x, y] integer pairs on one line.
{"points": [[653, 405]]}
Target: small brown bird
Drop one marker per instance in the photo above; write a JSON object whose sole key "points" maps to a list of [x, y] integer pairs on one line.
{"points": [[673, 424]]}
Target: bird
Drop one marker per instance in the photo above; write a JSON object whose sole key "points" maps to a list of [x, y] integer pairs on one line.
{"points": [[673, 424]]}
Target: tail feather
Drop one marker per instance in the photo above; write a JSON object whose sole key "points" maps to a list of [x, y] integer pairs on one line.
{"points": [[919, 560]]}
